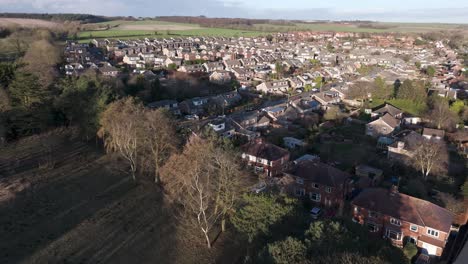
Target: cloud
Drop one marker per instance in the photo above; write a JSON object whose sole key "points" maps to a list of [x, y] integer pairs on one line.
{"points": [[232, 8]]}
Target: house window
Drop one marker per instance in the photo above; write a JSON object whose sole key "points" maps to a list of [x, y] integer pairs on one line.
{"points": [[372, 227], [315, 197], [300, 192], [328, 189], [299, 180], [394, 221], [414, 228], [315, 185], [393, 235], [432, 232]]}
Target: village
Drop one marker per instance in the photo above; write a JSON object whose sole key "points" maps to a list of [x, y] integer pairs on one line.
{"points": [[326, 117]]}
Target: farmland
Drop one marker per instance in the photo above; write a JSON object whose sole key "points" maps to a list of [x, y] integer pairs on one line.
{"points": [[27, 22], [157, 29], [162, 29]]}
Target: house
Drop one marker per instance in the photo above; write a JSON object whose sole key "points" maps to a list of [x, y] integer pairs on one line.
{"points": [[387, 109], [319, 182], [109, 71], [194, 68], [222, 127], [213, 66], [242, 74], [170, 105], [194, 106], [275, 87], [265, 157], [327, 98], [405, 145], [385, 125], [173, 61], [293, 143], [403, 219], [220, 77], [431, 133], [231, 64], [131, 60]]}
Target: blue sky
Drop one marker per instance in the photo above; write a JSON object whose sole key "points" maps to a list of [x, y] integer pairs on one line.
{"points": [[454, 11]]}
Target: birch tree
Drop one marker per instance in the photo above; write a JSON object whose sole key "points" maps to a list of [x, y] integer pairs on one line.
{"points": [[427, 157], [120, 129], [206, 181], [159, 140]]}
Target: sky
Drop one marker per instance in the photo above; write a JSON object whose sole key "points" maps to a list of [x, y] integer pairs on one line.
{"points": [[453, 11]]}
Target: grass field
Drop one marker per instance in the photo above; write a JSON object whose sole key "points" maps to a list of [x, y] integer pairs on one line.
{"points": [[375, 28], [64, 201], [158, 29], [161, 29]]}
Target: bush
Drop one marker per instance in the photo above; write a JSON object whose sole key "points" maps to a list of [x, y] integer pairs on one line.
{"points": [[410, 250]]}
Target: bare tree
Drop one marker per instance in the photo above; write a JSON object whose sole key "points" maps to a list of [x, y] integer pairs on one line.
{"points": [[41, 59], [206, 181], [159, 138], [188, 178], [427, 157], [231, 183], [440, 113], [120, 130]]}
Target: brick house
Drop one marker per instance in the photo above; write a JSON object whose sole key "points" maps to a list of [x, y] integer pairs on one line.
{"points": [[321, 183], [265, 157], [403, 219]]}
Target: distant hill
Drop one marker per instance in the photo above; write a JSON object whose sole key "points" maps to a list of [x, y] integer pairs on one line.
{"points": [[83, 18]]}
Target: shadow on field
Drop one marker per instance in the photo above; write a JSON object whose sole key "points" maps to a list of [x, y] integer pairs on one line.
{"points": [[85, 212]]}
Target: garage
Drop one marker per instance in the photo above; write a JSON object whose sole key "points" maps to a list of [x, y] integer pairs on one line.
{"points": [[430, 249]]}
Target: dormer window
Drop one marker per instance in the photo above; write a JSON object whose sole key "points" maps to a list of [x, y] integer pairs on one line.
{"points": [[394, 221], [299, 180], [315, 185]]}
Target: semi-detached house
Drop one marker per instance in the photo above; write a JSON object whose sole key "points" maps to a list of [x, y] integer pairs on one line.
{"points": [[403, 219]]}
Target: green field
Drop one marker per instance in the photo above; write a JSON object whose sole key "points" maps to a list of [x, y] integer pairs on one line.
{"points": [[379, 27], [157, 29], [161, 29]]}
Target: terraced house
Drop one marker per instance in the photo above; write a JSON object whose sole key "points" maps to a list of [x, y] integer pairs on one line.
{"points": [[403, 219]]}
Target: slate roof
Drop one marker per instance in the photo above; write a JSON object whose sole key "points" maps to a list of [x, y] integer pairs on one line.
{"points": [[390, 120], [388, 108]]}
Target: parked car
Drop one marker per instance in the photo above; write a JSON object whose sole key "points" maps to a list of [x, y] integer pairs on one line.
{"points": [[315, 212]]}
